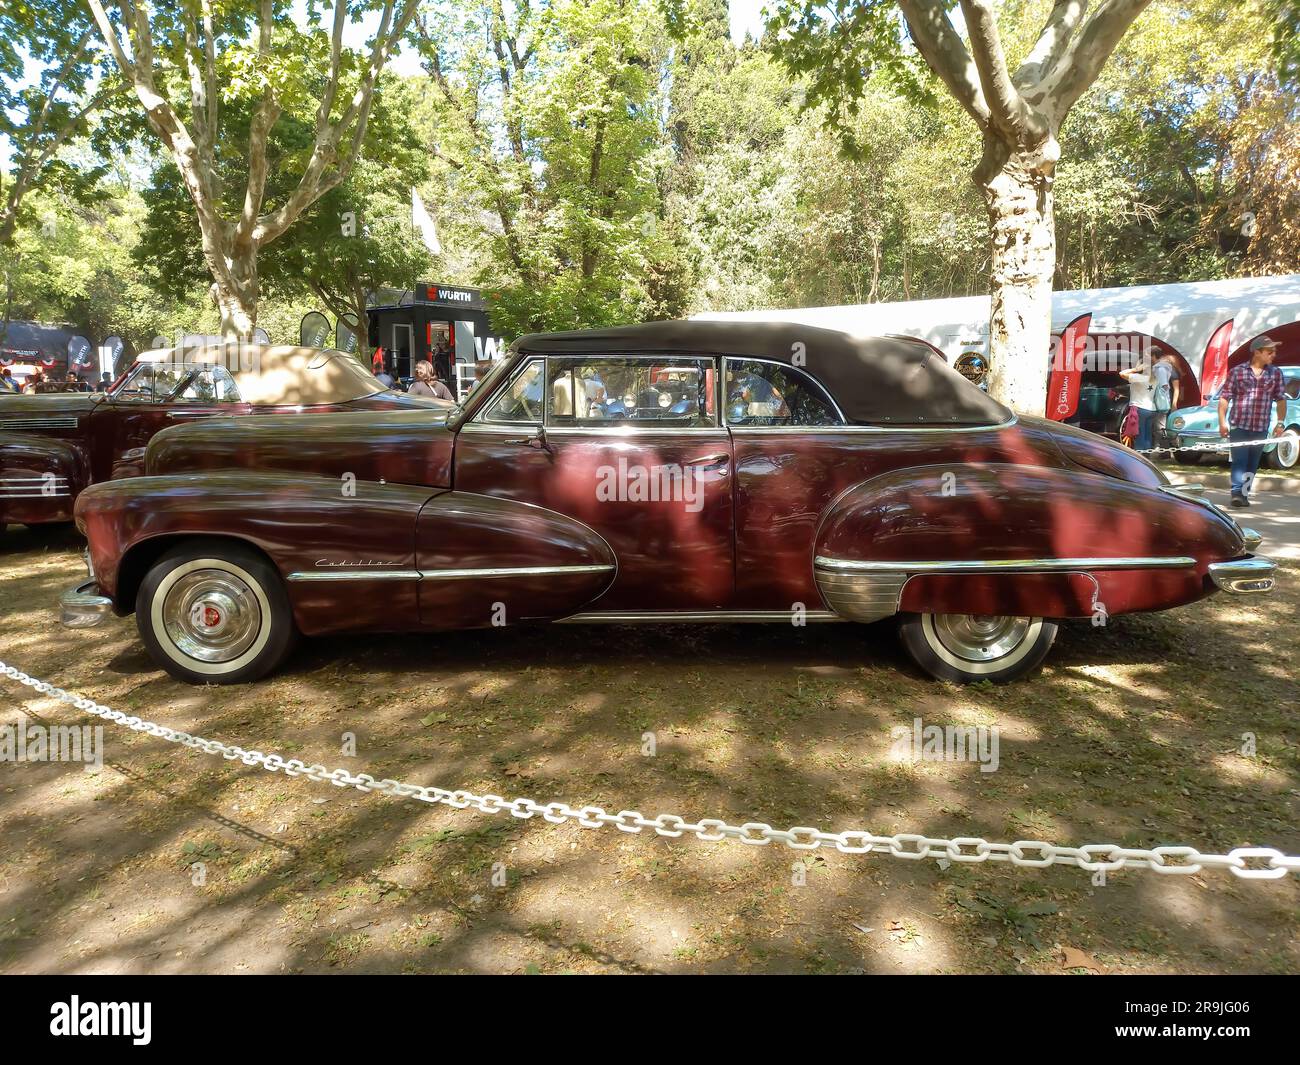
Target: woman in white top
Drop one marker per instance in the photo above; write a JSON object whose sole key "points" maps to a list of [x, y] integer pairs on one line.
{"points": [[1142, 395]]}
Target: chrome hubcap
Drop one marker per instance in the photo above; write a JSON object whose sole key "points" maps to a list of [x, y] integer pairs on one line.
{"points": [[1288, 450], [981, 639], [211, 615]]}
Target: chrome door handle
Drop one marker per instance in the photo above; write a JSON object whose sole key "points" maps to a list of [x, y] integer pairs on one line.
{"points": [[710, 462]]}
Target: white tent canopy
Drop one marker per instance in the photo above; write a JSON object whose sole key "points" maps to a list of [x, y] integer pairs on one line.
{"points": [[1184, 316]]}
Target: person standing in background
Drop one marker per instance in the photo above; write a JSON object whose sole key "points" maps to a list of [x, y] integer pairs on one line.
{"points": [[1165, 378], [426, 382], [1141, 395], [1253, 389]]}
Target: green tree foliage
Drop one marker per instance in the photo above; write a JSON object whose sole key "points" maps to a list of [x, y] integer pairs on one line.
{"points": [[588, 166], [548, 124], [353, 240]]}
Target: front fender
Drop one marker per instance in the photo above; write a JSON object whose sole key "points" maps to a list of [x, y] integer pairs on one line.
{"points": [[40, 476], [1001, 538], [358, 535]]}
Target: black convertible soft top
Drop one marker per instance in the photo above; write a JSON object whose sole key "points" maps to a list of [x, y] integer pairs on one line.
{"points": [[875, 380]]}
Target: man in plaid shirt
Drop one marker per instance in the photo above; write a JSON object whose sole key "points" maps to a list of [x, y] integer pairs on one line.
{"points": [[1254, 389]]}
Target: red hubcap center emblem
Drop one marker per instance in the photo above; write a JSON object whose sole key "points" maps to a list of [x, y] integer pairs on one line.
{"points": [[211, 616]]}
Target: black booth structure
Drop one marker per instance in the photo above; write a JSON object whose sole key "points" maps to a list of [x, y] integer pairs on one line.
{"points": [[444, 324]]}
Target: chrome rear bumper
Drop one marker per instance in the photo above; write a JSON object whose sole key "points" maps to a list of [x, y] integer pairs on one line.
{"points": [[83, 607], [1244, 576]]}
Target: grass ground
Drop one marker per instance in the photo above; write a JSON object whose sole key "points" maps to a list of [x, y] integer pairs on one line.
{"points": [[168, 860]]}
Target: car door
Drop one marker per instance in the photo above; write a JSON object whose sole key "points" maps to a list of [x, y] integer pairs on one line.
{"points": [[631, 446], [153, 397]]}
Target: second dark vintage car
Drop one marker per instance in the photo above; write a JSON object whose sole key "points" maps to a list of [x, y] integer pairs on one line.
{"points": [[808, 476], [54, 445]]}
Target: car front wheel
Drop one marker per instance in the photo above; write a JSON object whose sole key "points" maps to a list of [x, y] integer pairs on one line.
{"points": [[212, 612], [966, 648]]}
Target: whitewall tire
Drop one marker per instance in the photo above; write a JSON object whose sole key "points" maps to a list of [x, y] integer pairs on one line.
{"points": [[965, 648], [214, 612]]}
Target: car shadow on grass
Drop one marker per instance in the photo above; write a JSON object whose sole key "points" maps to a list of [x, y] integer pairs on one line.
{"points": [[1131, 734]]}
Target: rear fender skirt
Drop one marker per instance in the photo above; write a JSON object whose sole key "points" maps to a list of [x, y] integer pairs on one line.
{"points": [[1046, 595], [39, 478], [360, 532], [1000, 538]]}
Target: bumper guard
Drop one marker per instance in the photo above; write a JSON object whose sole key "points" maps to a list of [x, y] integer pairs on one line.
{"points": [[1244, 576], [83, 607]]}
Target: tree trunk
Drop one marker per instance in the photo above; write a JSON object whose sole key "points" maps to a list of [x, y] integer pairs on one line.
{"points": [[236, 295], [1017, 189], [363, 324]]}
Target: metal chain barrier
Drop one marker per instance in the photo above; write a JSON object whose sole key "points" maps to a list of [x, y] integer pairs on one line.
{"points": [[1250, 863], [1288, 437]]}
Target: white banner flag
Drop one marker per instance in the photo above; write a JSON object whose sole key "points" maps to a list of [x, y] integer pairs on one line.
{"points": [[423, 224]]}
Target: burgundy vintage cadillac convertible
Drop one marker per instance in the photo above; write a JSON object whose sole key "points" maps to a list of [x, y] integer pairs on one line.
{"points": [[53, 446], [677, 471]]}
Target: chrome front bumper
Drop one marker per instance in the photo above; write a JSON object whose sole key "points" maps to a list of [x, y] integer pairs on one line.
{"points": [[1244, 576], [83, 607]]}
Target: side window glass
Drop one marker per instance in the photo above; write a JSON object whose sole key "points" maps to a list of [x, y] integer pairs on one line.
{"points": [[766, 394], [521, 399], [209, 385], [647, 392]]}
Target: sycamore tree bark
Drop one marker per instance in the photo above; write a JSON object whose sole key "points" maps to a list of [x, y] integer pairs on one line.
{"points": [[1019, 114], [190, 131]]}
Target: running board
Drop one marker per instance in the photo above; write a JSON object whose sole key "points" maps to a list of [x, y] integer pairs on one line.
{"points": [[678, 617]]}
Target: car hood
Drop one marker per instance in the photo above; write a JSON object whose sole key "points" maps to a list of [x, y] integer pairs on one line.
{"points": [[401, 446], [1204, 417], [49, 405]]}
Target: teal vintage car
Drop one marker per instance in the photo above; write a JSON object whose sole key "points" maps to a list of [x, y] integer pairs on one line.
{"points": [[1200, 425]]}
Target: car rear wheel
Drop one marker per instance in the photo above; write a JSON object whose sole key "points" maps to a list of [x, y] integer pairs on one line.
{"points": [[212, 612], [1285, 455], [966, 648]]}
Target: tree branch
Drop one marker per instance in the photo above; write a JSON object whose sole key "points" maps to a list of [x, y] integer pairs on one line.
{"points": [[259, 132], [1007, 111], [321, 173], [945, 53], [1078, 66], [1057, 31]]}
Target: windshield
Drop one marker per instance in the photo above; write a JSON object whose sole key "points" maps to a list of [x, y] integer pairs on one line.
{"points": [[150, 382], [482, 385]]}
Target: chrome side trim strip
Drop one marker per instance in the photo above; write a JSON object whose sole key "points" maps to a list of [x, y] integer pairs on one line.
{"points": [[54, 422], [360, 574], [1006, 565], [875, 430], [627, 429], [510, 571], [55, 478], [674, 617]]}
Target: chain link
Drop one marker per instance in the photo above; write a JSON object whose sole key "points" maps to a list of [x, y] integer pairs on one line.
{"points": [[1222, 445], [1249, 863]]}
